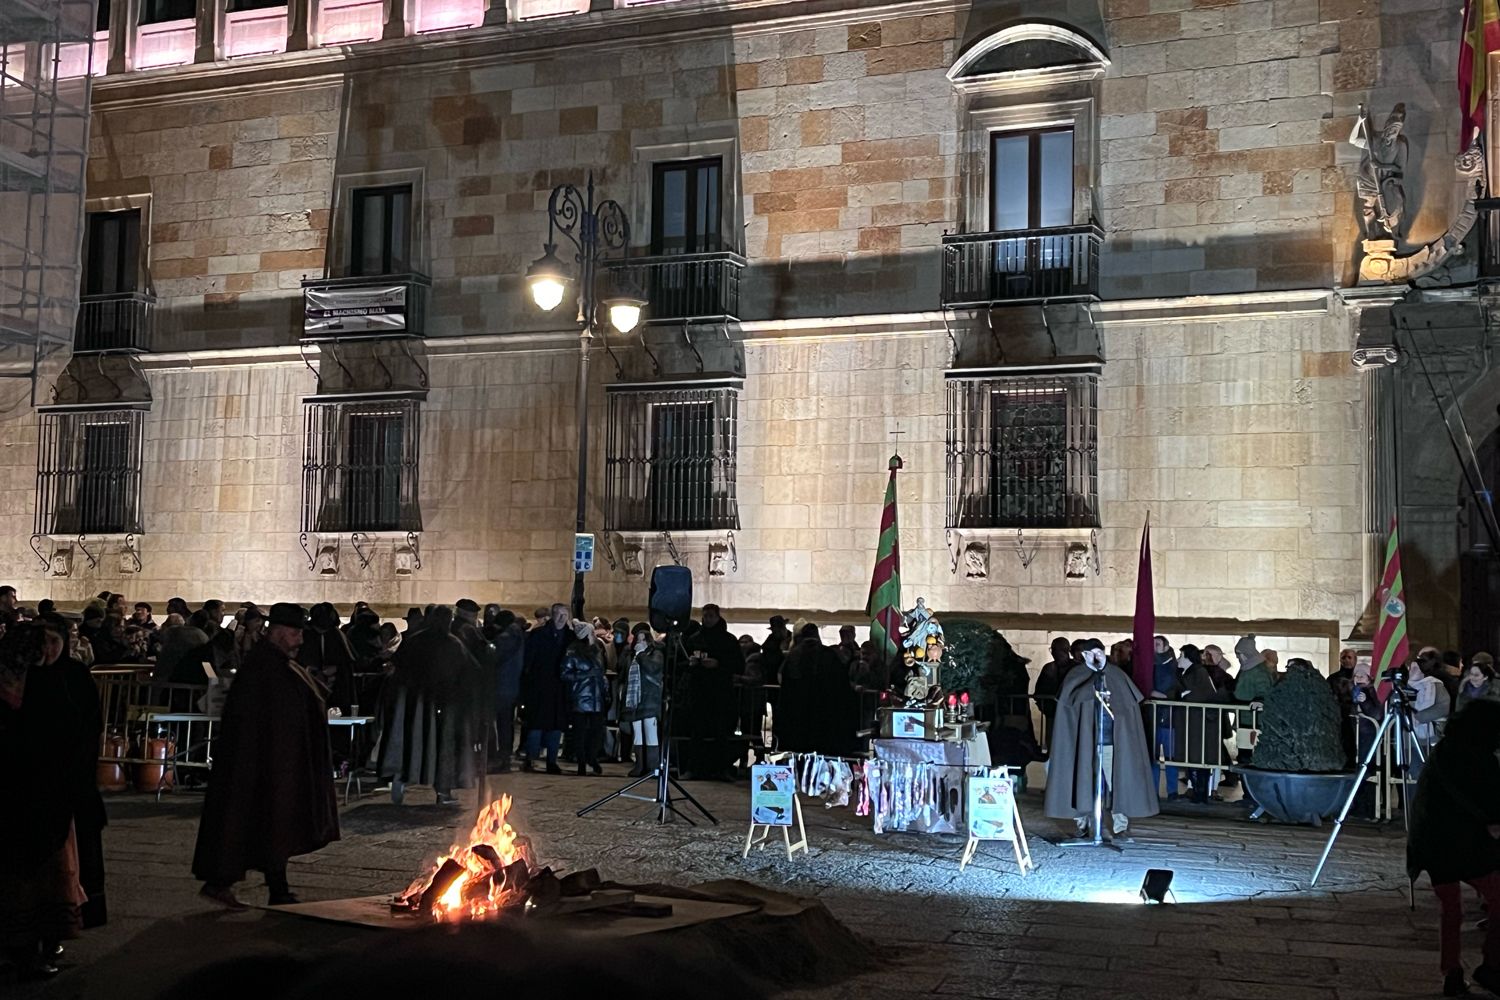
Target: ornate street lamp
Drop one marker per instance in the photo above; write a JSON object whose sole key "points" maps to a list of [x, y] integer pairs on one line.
{"points": [[597, 232]]}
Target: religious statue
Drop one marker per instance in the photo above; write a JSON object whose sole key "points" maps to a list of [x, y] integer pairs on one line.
{"points": [[1382, 165], [918, 625], [1382, 168], [922, 654]]}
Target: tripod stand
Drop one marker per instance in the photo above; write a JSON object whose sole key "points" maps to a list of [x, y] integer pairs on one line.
{"points": [[1398, 716], [665, 809], [1100, 838]]}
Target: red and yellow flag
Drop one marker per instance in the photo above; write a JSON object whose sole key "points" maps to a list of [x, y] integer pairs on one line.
{"points": [[1391, 646], [1481, 37]]}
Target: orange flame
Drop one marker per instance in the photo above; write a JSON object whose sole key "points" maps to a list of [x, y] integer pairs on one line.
{"points": [[465, 899]]}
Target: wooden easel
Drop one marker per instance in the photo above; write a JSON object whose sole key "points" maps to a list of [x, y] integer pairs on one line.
{"points": [[759, 840], [1018, 842]]}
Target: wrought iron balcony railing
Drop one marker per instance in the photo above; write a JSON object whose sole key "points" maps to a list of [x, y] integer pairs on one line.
{"points": [[120, 323], [1022, 265], [681, 287], [367, 307]]}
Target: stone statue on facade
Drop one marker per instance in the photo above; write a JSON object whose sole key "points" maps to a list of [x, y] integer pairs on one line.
{"points": [[1382, 196], [1382, 166]]}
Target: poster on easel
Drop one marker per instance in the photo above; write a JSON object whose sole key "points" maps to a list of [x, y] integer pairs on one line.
{"points": [[774, 806], [992, 808], [773, 787], [993, 815]]}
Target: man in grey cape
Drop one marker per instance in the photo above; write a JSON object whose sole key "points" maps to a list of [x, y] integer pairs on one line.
{"points": [[1128, 790]]}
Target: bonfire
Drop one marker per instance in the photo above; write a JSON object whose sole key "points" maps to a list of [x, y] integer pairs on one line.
{"points": [[486, 873]]}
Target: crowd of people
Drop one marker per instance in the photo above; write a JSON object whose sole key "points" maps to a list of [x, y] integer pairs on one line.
{"points": [[465, 688]]}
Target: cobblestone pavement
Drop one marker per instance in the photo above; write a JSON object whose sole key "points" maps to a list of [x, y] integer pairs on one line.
{"points": [[1246, 925]]}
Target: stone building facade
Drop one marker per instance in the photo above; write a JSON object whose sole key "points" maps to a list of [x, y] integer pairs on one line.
{"points": [[1163, 330]]}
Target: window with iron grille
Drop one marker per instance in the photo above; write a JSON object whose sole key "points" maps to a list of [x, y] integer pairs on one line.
{"points": [[360, 464], [1023, 450], [88, 472], [670, 455], [380, 223]]}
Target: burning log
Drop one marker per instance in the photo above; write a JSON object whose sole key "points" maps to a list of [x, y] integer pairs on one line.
{"points": [[448, 874], [517, 876]]}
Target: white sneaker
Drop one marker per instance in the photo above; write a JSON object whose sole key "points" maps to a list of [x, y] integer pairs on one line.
{"points": [[1082, 823], [1121, 824]]}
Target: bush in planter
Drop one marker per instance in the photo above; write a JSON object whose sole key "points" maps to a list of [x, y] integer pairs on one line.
{"points": [[1299, 725]]}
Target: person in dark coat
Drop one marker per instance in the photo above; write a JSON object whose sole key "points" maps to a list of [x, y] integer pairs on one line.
{"points": [[326, 652], [1455, 836], [1341, 682], [588, 694], [509, 640], [40, 894], [83, 726], [1200, 731], [1163, 676], [177, 641], [429, 728], [1128, 789], [714, 658], [270, 793], [544, 697], [1049, 682], [796, 710]]}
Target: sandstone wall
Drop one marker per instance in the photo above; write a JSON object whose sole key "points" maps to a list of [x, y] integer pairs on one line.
{"points": [[1240, 437]]}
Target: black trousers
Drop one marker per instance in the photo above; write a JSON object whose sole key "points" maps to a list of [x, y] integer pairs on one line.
{"points": [[588, 736], [505, 722]]}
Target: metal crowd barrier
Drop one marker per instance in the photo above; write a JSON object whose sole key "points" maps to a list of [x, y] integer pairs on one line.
{"points": [[1195, 734]]}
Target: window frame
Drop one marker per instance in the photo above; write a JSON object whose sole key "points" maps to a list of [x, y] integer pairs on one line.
{"points": [[640, 489], [1033, 136], [332, 471], [691, 166], [127, 264], [388, 193], [149, 10], [978, 459], [65, 481]]}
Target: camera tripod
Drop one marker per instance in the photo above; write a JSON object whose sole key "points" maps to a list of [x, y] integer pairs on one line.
{"points": [[665, 808], [1397, 720]]}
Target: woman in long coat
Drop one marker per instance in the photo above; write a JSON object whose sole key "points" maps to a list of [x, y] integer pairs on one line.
{"points": [[40, 730], [428, 722]]}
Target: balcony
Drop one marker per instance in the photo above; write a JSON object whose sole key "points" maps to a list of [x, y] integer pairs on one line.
{"points": [[120, 323], [365, 307], [680, 288], [1023, 265]]}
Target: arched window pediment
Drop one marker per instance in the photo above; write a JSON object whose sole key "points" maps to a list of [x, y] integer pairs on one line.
{"points": [[1025, 52]]}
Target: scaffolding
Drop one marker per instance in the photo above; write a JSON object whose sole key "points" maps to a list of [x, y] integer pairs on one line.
{"points": [[46, 62]]}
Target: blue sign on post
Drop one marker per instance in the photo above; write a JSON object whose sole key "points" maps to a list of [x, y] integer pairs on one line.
{"points": [[583, 553]]}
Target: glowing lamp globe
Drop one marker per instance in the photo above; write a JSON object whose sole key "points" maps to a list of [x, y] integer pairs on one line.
{"points": [[624, 313], [548, 281]]}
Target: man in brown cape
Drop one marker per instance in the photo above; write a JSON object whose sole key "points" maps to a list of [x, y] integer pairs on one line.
{"points": [[1128, 790], [270, 794]]}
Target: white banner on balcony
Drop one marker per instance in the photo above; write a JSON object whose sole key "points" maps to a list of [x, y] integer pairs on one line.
{"points": [[368, 309]]}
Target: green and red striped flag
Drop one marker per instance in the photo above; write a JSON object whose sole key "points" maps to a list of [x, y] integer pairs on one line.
{"points": [[1391, 647], [884, 607]]}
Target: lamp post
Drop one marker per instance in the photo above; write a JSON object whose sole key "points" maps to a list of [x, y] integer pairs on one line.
{"points": [[595, 231]]}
